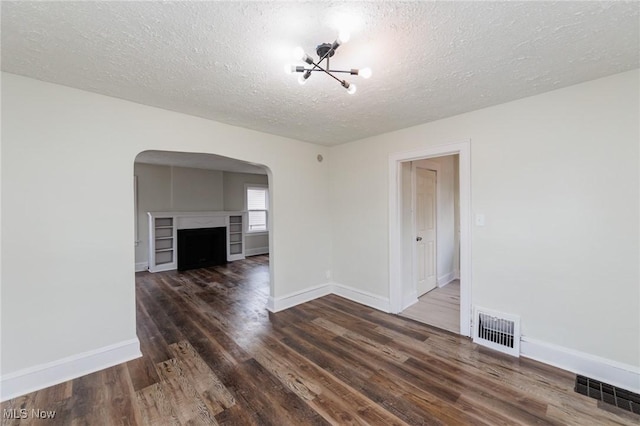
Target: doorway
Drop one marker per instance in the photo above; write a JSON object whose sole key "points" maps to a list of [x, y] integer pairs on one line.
{"points": [[404, 265], [434, 225]]}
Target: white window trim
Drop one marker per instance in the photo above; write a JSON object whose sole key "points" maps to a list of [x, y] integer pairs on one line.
{"points": [[248, 186]]}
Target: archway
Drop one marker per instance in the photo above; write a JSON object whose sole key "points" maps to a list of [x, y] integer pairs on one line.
{"points": [[180, 185]]}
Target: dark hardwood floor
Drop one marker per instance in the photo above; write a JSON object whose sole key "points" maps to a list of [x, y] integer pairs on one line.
{"points": [[214, 355]]}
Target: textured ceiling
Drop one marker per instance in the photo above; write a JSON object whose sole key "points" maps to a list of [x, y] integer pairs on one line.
{"points": [[224, 60]]}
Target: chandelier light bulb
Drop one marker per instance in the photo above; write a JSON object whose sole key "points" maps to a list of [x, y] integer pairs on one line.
{"points": [[289, 69], [344, 36], [351, 89], [365, 72], [302, 80], [298, 53]]}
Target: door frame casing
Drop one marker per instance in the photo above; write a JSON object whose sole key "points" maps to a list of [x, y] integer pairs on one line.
{"points": [[463, 150]]}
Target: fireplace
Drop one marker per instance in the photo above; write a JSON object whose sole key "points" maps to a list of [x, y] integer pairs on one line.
{"points": [[202, 247]]}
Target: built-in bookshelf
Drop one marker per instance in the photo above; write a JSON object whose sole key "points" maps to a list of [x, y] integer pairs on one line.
{"points": [[164, 241], [236, 235]]}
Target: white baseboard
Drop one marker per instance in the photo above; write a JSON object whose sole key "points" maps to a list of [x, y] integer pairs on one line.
{"points": [[446, 279], [142, 266], [44, 375], [256, 251], [290, 300], [456, 275], [363, 297], [410, 299], [602, 369], [359, 296]]}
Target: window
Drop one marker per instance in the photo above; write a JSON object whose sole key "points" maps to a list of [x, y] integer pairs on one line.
{"points": [[257, 206]]}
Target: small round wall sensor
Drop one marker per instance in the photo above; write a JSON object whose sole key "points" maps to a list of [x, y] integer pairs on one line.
{"points": [[320, 158]]}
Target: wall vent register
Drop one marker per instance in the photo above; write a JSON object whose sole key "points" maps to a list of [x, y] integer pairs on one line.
{"points": [[497, 330]]}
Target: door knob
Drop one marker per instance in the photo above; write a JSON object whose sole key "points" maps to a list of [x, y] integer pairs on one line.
{"points": [[418, 238]]}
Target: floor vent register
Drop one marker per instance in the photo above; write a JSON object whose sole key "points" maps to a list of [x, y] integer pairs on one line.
{"points": [[607, 393]]}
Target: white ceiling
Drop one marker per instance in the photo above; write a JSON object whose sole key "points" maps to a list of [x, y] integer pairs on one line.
{"points": [[224, 60], [199, 161]]}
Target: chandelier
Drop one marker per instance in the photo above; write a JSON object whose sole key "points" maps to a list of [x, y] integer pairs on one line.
{"points": [[324, 52]]}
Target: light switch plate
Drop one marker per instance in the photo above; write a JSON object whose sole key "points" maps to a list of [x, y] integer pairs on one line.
{"points": [[479, 219]]}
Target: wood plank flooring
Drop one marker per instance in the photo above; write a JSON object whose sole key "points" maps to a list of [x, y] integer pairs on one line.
{"points": [[214, 355], [440, 308]]}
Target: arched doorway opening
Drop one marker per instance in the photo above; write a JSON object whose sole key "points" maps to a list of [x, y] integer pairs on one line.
{"points": [[183, 191]]}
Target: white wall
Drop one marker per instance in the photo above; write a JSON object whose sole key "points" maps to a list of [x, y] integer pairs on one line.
{"points": [[67, 203], [196, 189], [557, 177], [234, 188]]}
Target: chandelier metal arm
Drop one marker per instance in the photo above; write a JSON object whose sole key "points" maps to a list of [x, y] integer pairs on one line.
{"points": [[352, 72], [317, 65], [326, 56]]}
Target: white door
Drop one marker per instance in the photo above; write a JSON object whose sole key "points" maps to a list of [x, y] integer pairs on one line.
{"points": [[425, 230]]}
